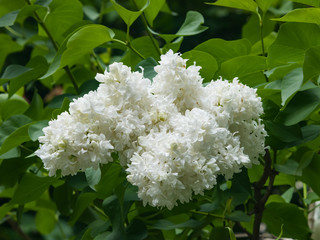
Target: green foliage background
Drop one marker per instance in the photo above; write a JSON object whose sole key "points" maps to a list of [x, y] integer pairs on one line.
{"points": [[50, 51]]}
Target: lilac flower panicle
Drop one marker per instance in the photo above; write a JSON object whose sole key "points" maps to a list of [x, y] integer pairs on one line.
{"points": [[173, 136]]}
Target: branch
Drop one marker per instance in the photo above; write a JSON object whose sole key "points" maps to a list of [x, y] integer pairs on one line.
{"points": [[260, 199]]}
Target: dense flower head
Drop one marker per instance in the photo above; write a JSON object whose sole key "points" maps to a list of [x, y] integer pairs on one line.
{"points": [[174, 136]]}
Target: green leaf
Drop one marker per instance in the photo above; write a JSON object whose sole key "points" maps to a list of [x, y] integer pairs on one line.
{"points": [[7, 46], [311, 198], [91, 12], [16, 138], [64, 107], [248, 5], [112, 207], [238, 216], [275, 198], [231, 234], [251, 30], [279, 72], [13, 132], [310, 174], [93, 176], [83, 41], [146, 48], [283, 133], [300, 107], [277, 214], [148, 67], [63, 198], [77, 181], [54, 66], [111, 177], [290, 167], [311, 64], [244, 67], [281, 9], [305, 156], [152, 10], [290, 84], [8, 19], [309, 133], [38, 66], [35, 111], [223, 50], [13, 153], [96, 227], [12, 124], [255, 173], [264, 4], [287, 195], [267, 42], [62, 15], [31, 187], [4, 209], [128, 16], [208, 63], [137, 230], [35, 130], [45, 221], [209, 207], [292, 42], [87, 86], [315, 3], [192, 25], [28, 11], [240, 190], [13, 71], [83, 201], [117, 207], [18, 166], [163, 224], [56, 62], [305, 15], [9, 6], [13, 106], [174, 45], [222, 233], [104, 236]]}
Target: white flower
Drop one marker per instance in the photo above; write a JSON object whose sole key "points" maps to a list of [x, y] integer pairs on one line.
{"points": [[182, 157], [234, 100], [167, 169], [174, 136], [102, 121], [71, 146], [251, 136], [179, 84]]}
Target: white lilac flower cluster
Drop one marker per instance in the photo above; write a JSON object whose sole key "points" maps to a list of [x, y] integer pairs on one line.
{"points": [[173, 136]]}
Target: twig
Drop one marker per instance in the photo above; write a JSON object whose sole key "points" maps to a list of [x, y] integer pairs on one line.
{"points": [[72, 79], [44, 27], [128, 44], [56, 47], [145, 24], [15, 226]]}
